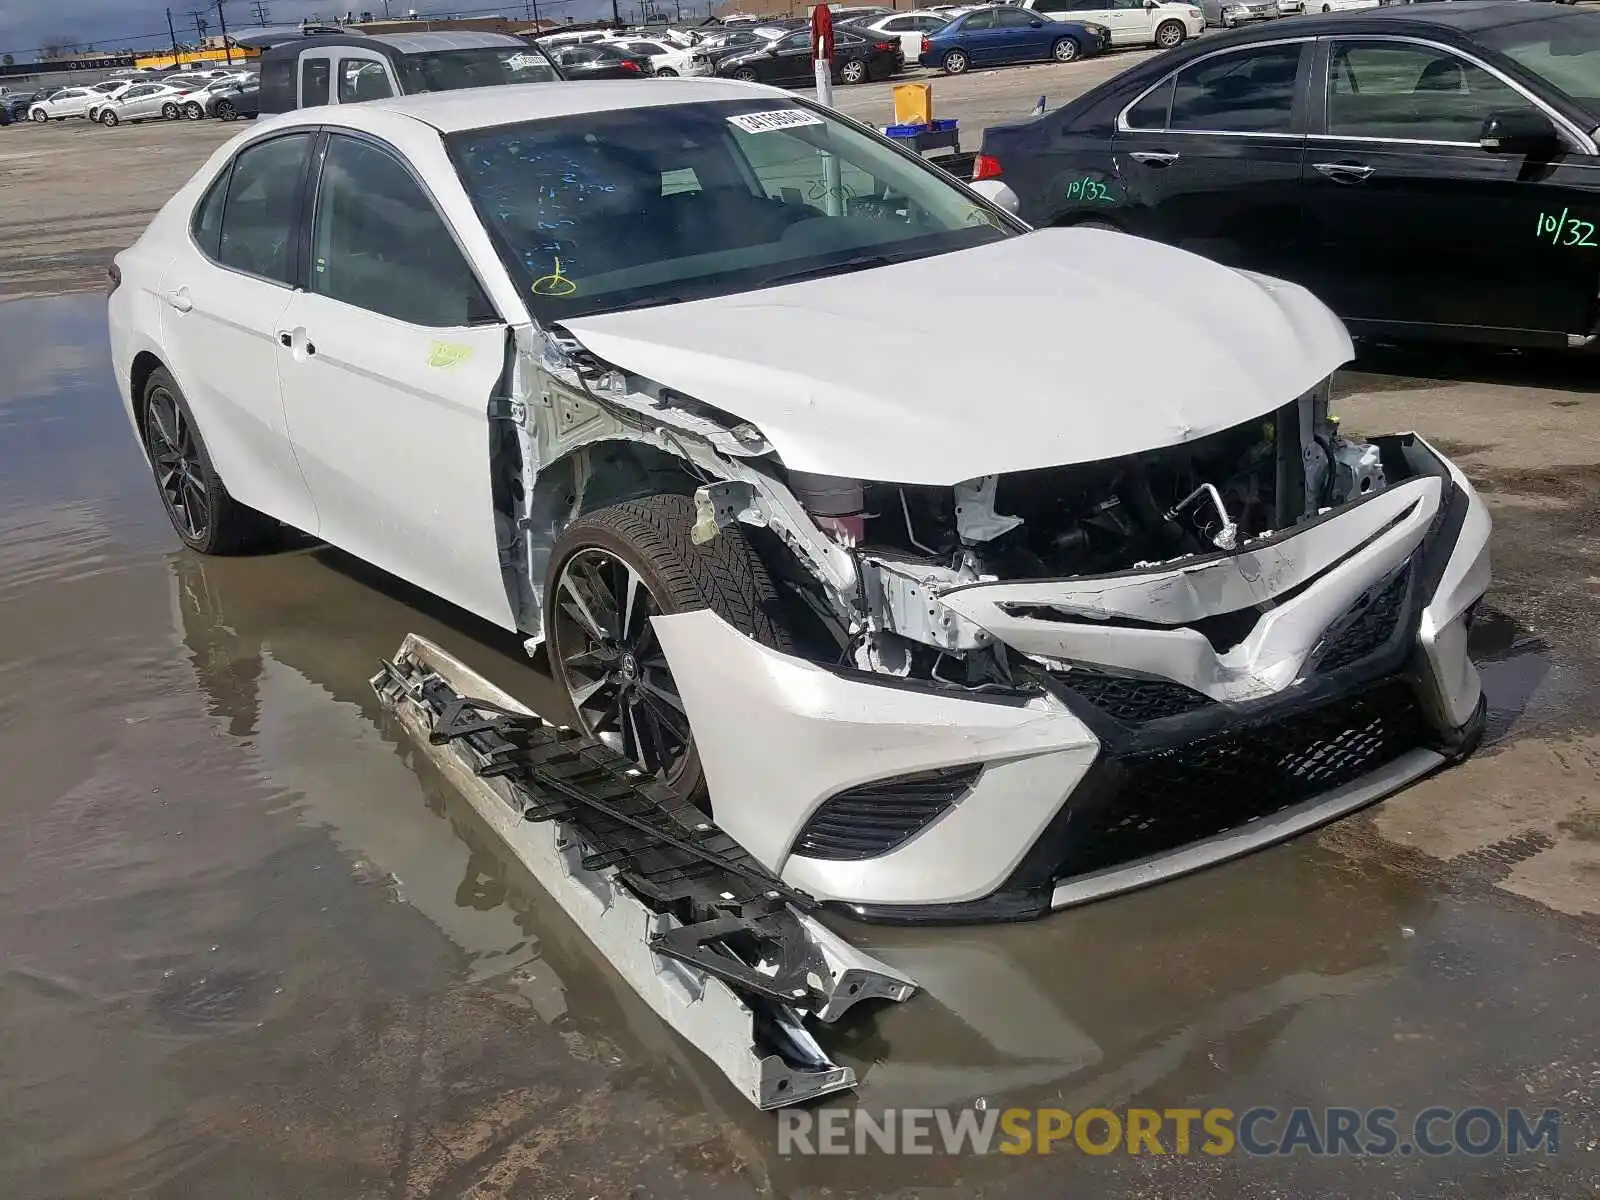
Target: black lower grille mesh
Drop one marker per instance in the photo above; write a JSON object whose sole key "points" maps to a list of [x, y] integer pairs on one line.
{"points": [[874, 818], [1377, 615], [1132, 700], [1169, 798]]}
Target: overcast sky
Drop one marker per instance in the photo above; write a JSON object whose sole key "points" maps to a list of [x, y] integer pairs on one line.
{"points": [[26, 25]]}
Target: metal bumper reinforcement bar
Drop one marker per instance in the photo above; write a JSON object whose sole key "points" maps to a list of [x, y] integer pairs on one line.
{"points": [[721, 950]]}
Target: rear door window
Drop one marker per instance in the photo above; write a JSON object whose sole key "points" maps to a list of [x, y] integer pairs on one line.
{"points": [[363, 79], [258, 219], [1150, 112], [314, 79], [1251, 91]]}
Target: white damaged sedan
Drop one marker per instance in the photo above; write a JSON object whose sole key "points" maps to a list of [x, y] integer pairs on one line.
{"points": [[686, 382]]}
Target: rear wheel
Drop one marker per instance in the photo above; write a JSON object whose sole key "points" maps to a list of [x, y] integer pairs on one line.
{"points": [[1065, 50], [854, 71], [1169, 34], [666, 73], [226, 111], [205, 516], [611, 571], [955, 62]]}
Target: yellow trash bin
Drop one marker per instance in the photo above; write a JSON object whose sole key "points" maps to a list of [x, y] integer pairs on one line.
{"points": [[913, 104]]}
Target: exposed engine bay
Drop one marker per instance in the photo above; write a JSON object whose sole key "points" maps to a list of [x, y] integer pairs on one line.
{"points": [[863, 563]]}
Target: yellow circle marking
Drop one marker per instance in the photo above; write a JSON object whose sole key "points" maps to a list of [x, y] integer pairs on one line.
{"points": [[554, 284]]}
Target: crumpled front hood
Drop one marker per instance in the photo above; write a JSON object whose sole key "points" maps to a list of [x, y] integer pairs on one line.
{"points": [[1059, 346]]}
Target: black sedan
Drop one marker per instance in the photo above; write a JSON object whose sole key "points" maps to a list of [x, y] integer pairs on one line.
{"points": [[602, 60], [1428, 170], [787, 61], [243, 101], [16, 104]]}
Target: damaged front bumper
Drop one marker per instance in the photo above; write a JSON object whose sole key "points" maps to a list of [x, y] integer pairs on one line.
{"points": [[1161, 733]]}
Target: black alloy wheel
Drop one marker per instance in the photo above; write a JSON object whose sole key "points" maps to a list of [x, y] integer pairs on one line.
{"points": [[179, 470]]}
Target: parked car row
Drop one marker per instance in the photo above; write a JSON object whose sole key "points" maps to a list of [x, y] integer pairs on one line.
{"points": [[140, 97]]}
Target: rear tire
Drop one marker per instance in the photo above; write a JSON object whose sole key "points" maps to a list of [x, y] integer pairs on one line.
{"points": [[1170, 34], [206, 518], [854, 71], [666, 73], [956, 62], [1065, 50], [618, 686], [169, 111]]}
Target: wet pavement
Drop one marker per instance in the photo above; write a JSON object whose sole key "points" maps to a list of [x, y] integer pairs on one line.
{"points": [[250, 945]]}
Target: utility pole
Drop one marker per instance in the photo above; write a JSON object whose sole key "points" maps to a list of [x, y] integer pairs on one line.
{"points": [[616, 15], [174, 35], [199, 28], [227, 48], [261, 13]]}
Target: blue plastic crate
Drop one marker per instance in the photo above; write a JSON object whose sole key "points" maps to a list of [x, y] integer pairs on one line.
{"points": [[909, 131]]}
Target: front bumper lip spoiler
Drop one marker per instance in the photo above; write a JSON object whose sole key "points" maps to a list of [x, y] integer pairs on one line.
{"points": [[1246, 839]]}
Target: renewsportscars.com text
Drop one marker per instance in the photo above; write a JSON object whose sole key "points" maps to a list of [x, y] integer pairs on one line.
{"points": [[1259, 1132]]}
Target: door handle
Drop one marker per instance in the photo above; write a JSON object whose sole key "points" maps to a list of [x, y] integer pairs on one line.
{"points": [[1154, 158], [180, 300], [1345, 172]]}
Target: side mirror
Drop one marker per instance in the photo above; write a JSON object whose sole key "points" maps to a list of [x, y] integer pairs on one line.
{"points": [[1151, 5], [1036, 24], [997, 194], [1524, 131]]}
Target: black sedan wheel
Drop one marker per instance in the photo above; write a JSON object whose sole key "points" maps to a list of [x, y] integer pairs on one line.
{"points": [[1065, 50], [854, 71], [955, 62], [745, 74], [202, 512], [226, 111], [613, 570]]}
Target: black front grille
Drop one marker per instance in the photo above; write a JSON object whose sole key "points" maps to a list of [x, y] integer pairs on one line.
{"points": [[1168, 798], [1369, 625], [1132, 700], [866, 821]]}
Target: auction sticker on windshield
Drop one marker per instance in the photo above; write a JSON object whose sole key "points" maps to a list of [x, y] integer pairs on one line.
{"points": [[777, 118]]}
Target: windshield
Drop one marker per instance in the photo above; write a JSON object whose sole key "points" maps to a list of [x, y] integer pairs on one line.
{"points": [[1562, 50], [650, 205], [484, 66]]}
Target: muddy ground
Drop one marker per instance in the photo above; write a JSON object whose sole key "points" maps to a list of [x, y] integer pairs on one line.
{"points": [[249, 945]]}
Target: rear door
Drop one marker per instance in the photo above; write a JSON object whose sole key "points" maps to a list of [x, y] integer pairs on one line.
{"points": [[1209, 158], [224, 294], [389, 360], [1130, 23], [1411, 223]]}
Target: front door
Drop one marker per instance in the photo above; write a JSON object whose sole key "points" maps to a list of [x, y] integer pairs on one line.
{"points": [[1412, 223], [981, 37], [791, 59], [1129, 21], [223, 295], [1210, 159], [389, 360]]}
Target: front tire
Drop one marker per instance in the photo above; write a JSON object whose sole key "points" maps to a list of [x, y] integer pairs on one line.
{"points": [[1065, 50], [39, 116], [226, 111], [108, 118], [1170, 34], [193, 112], [854, 71], [206, 518], [745, 75], [611, 570], [666, 73], [956, 62]]}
